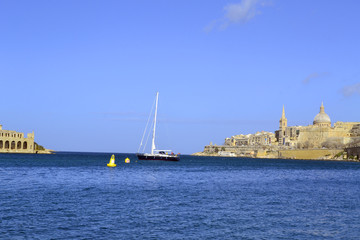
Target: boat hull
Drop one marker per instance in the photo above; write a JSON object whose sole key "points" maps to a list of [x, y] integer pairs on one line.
{"points": [[158, 157]]}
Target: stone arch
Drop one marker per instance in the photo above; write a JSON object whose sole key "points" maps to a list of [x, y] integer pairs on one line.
{"points": [[7, 145], [18, 146], [13, 145], [1, 144], [25, 145]]}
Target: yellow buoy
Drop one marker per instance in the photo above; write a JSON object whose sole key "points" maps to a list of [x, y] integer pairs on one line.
{"points": [[127, 160], [112, 161]]}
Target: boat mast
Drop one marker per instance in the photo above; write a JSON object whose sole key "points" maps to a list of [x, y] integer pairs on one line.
{"points": [[153, 137]]}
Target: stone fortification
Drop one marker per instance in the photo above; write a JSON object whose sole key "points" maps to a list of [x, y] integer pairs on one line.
{"points": [[16, 142], [324, 154], [269, 151], [317, 137]]}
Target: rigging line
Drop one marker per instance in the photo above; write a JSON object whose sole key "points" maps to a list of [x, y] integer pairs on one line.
{"points": [[147, 138], [142, 139]]}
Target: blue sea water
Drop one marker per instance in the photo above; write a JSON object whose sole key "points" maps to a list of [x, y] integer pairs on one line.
{"points": [[75, 196]]}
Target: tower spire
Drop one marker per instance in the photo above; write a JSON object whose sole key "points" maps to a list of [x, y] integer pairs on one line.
{"points": [[322, 110], [283, 120], [283, 112], [282, 128]]}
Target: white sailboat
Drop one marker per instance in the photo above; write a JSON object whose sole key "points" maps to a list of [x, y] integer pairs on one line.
{"points": [[165, 155]]}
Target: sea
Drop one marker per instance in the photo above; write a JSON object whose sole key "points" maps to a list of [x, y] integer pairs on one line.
{"points": [[76, 196]]}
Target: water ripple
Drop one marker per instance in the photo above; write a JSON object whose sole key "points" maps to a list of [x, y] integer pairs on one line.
{"points": [[75, 196]]}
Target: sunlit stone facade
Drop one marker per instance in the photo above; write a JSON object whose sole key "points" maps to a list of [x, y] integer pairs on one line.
{"points": [[259, 138], [16, 142], [318, 135]]}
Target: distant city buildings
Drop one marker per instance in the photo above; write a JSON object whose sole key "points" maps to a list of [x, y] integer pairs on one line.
{"points": [[259, 138], [318, 135]]}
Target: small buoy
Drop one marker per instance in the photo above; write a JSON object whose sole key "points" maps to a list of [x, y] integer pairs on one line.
{"points": [[112, 161], [127, 160]]}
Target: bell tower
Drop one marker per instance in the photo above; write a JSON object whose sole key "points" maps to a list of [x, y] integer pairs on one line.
{"points": [[283, 120], [282, 127]]}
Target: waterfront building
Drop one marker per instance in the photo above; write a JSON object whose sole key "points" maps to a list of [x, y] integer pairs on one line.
{"points": [[259, 138], [262, 138], [16, 142]]}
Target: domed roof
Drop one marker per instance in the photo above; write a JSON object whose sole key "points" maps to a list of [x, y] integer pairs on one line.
{"points": [[322, 117]]}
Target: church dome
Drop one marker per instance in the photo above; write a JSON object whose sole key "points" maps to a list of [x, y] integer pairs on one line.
{"points": [[322, 117]]}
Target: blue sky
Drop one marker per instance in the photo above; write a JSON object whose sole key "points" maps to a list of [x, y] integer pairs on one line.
{"points": [[83, 74]]}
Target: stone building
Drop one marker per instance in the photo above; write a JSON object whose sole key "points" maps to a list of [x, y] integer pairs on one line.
{"points": [[238, 140], [262, 138], [16, 142], [259, 138], [286, 136]]}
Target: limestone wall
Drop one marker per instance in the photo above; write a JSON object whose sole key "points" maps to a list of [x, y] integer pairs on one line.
{"points": [[15, 142], [316, 136], [309, 153]]}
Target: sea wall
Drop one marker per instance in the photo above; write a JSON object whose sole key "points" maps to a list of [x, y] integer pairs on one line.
{"points": [[310, 153], [272, 152]]}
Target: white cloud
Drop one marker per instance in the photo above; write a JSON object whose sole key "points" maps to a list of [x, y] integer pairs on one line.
{"points": [[314, 75], [241, 12], [236, 13], [348, 91]]}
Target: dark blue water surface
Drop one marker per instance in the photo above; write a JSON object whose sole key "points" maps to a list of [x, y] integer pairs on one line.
{"points": [[76, 196]]}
